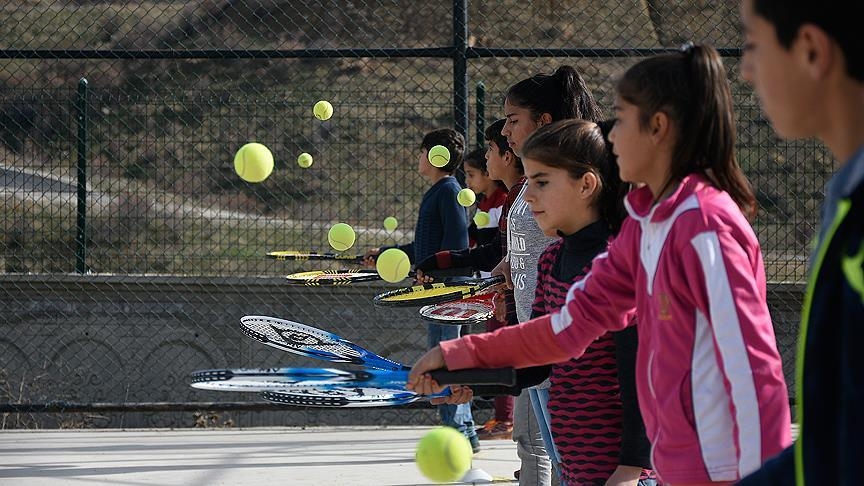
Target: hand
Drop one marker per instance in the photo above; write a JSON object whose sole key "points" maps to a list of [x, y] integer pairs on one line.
{"points": [[503, 268], [370, 257], [499, 307], [459, 394], [624, 476], [421, 278], [418, 378]]}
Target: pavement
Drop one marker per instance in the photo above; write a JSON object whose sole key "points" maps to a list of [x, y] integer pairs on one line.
{"points": [[250, 457]]}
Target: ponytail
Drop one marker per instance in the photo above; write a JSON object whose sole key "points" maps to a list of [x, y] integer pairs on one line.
{"points": [[563, 94]]}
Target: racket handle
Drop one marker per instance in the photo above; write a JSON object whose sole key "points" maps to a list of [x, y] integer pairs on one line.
{"points": [[475, 376]]}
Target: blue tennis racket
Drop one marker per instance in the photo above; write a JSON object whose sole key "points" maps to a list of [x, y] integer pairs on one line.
{"points": [[312, 342]]}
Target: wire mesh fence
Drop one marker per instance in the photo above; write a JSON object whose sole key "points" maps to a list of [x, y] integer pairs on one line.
{"points": [[114, 283]]}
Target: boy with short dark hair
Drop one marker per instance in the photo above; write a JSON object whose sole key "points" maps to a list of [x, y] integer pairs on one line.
{"points": [[442, 224], [805, 60]]}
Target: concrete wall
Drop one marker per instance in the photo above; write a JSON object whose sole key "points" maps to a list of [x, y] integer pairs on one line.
{"points": [[132, 339]]}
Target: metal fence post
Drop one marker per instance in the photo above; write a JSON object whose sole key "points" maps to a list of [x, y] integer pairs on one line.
{"points": [[81, 213], [480, 115], [460, 66]]}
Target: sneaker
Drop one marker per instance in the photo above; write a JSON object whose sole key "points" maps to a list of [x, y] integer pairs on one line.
{"points": [[488, 425], [498, 431], [475, 444], [475, 475]]}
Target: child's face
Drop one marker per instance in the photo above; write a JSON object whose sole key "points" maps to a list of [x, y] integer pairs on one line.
{"points": [[778, 76], [477, 180], [496, 164], [424, 167], [518, 126], [632, 145], [558, 201]]}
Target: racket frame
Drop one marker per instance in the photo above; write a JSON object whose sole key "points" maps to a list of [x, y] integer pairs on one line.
{"points": [[461, 289]]}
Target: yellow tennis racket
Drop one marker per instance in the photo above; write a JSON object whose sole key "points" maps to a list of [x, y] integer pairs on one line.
{"points": [[437, 292]]}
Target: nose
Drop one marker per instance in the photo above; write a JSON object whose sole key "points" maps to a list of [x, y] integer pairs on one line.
{"points": [[612, 134], [529, 195], [505, 130]]}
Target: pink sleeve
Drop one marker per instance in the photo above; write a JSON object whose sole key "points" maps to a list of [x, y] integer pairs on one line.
{"points": [[531, 343], [604, 300]]}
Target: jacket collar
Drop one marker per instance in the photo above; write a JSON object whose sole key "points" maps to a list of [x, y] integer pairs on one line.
{"points": [[639, 202]]}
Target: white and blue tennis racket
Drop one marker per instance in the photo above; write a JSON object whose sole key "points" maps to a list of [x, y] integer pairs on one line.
{"points": [[381, 384]]}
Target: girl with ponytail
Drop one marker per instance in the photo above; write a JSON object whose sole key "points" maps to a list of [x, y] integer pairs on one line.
{"points": [[710, 380]]}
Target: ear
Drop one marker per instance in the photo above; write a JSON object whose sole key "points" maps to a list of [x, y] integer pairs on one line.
{"points": [[659, 126], [545, 119], [815, 49], [588, 185]]}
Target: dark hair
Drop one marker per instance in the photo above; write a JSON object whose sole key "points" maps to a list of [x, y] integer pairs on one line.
{"points": [[476, 159], [692, 89], [581, 146], [453, 140], [839, 19], [493, 134], [563, 94]]}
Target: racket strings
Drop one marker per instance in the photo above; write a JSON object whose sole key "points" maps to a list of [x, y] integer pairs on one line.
{"points": [[299, 340]]}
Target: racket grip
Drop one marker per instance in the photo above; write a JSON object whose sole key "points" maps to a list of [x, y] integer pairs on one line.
{"points": [[475, 376]]}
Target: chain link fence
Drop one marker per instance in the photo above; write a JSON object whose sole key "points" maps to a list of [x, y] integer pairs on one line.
{"points": [[130, 248]]}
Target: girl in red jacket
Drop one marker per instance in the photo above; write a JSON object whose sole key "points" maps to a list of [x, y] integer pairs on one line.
{"points": [[708, 373]]}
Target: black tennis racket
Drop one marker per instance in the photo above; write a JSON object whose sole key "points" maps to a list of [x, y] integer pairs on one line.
{"points": [[332, 277], [313, 255], [436, 292], [473, 310]]}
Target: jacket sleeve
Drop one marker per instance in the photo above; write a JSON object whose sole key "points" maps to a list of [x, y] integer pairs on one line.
{"points": [[725, 279], [604, 300]]}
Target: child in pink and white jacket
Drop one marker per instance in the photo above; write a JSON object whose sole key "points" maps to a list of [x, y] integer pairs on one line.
{"points": [[709, 377]]}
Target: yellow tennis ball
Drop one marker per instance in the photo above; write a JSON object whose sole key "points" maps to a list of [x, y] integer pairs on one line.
{"points": [[304, 160], [253, 162], [466, 197], [393, 265], [323, 110], [390, 223], [439, 156], [481, 219], [443, 455], [341, 236]]}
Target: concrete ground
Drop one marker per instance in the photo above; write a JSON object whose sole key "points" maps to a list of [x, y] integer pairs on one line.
{"points": [[257, 456]]}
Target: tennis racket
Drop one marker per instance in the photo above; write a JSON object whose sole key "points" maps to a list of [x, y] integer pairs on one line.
{"points": [[473, 310], [332, 277], [344, 397], [276, 379], [308, 341], [436, 292], [313, 255]]}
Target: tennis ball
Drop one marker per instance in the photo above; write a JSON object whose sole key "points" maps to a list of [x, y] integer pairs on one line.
{"points": [[481, 219], [466, 197], [341, 236], [253, 162], [323, 110], [439, 156], [304, 160], [393, 265], [443, 455], [390, 223]]}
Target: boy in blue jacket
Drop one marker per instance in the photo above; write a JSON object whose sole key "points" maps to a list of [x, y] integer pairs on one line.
{"points": [[805, 61], [442, 224]]}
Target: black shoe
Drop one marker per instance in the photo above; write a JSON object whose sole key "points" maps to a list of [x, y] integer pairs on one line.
{"points": [[475, 444]]}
